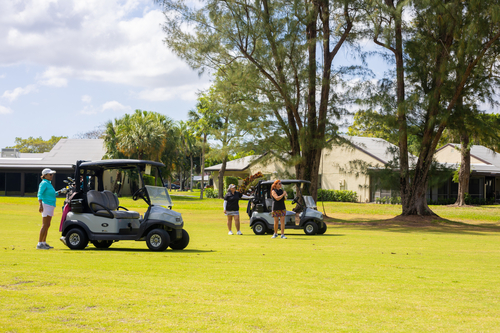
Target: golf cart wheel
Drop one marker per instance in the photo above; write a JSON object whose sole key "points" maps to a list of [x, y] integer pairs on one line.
{"points": [[158, 240], [102, 244], [259, 228], [180, 244], [311, 228], [76, 239], [322, 230]]}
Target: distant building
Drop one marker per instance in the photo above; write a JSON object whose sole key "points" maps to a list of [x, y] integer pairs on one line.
{"points": [[485, 172], [337, 170], [20, 172]]}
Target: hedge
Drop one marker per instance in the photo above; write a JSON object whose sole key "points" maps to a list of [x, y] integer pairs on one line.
{"points": [[337, 195], [230, 180], [148, 180], [211, 193]]}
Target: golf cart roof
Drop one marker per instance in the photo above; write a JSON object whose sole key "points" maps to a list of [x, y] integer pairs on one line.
{"points": [[118, 164], [286, 182]]}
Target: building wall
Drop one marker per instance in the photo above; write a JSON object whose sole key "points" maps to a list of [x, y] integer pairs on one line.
{"points": [[335, 171], [451, 155], [339, 170], [215, 176], [15, 182], [272, 169]]}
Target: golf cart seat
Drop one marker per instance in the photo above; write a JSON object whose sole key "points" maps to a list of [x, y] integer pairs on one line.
{"points": [[106, 204], [269, 205]]}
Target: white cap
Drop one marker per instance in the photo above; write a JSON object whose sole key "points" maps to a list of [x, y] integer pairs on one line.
{"points": [[47, 171], [231, 186]]}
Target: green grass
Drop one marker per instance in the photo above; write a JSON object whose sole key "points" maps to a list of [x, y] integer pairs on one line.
{"points": [[355, 278]]}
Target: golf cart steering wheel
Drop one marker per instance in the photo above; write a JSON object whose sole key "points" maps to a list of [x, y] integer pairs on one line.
{"points": [[140, 193], [295, 200]]}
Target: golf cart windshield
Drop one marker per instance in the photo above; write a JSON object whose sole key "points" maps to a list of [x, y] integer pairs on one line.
{"points": [[309, 202], [159, 196]]}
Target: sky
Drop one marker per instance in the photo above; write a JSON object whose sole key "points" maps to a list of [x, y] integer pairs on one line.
{"points": [[68, 66]]}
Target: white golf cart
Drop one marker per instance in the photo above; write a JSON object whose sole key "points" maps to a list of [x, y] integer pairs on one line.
{"points": [[304, 216], [96, 214]]}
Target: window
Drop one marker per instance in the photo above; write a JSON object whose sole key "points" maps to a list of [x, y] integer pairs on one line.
{"points": [[31, 182], [476, 187], [13, 184], [2, 183]]}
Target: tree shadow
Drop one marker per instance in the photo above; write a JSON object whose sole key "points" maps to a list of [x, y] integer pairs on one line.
{"points": [[416, 224], [115, 249]]}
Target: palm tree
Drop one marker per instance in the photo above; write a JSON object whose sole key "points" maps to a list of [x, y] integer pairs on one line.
{"points": [[142, 133], [188, 141], [112, 152]]}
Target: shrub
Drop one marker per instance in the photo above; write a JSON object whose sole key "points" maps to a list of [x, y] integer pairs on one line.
{"points": [[337, 195], [230, 180], [251, 181], [211, 193], [148, 180]]}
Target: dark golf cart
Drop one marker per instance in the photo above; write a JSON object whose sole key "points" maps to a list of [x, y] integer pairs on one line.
{"points": [[304, 216], [96, 214]]}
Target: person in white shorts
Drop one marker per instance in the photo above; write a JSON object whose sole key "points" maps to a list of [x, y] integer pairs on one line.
{"points": [[47, 200]]}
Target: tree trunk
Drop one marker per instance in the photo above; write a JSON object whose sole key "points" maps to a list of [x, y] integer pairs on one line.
{"points": [[464, 174], [417, 200], [401, 111], [221, 178], [116, 186], [191, 183], [203, 165]]}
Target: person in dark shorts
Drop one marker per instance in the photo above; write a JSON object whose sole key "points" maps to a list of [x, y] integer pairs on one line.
{"points": [[279, 210], [232, 209]]}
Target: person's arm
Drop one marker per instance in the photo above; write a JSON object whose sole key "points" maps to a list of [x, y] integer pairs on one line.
{"points": [[41, 189], [276, 196], [224, 205]]}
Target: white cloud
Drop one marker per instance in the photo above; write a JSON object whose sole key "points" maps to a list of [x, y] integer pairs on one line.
{"points": [[4, 110], [119, 41], [12, 95], [3, 76], [185, 92], [113, 106], [86, 99]]}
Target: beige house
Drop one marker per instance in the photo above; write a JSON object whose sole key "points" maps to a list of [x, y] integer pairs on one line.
{"points": [[485, 171], [341, 167], [247, 166], [344, 167]]}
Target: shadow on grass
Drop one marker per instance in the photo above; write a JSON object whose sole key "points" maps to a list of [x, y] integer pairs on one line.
{"points": [[184, 198], [416, 224], [94, 249]]}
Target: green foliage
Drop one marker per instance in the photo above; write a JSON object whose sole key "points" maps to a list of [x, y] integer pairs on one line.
{"points": [[394, 200], [148, 180], [230, 180], [337, 195], [250, 181], [36, 145], [211, 193], [267, 61]]}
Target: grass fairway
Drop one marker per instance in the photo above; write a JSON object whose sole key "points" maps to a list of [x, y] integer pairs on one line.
{"points": [[355, 278]]}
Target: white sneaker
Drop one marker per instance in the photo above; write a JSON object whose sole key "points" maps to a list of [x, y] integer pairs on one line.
{"points": [[283, 236], [230, 233], [275, 235], [41, 247], [63, 240], [239, 232], [48, 246]]}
